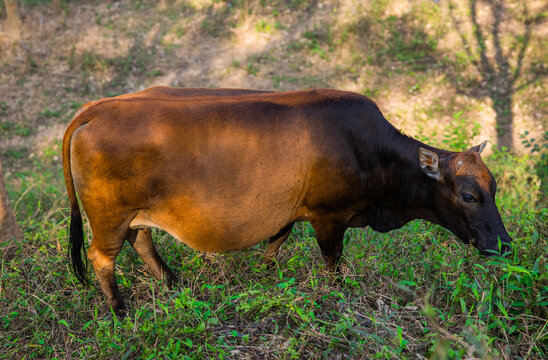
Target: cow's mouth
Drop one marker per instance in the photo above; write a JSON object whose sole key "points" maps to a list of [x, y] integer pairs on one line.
{"points": [[489, 252]]}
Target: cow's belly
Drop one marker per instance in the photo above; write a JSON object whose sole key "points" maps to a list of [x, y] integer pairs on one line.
{"points": [[220, 225]]}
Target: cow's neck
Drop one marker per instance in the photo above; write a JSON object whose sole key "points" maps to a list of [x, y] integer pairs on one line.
{"points": [[408, 182], [406, 190]]}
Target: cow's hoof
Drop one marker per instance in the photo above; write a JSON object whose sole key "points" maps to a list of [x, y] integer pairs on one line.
{"points": [[119, 314], [173, 282]]}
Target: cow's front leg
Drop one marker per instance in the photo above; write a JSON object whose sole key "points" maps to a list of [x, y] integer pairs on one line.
{"points": [[330, 237]]}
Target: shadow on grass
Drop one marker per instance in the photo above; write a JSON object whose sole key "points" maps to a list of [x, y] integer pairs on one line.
{"points": [[498, 76]]}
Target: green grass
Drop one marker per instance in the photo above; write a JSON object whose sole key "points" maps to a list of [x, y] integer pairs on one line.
{"points": [[417, 290]]}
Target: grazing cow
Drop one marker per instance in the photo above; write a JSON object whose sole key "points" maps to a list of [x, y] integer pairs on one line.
{"points": [[222, 170]]}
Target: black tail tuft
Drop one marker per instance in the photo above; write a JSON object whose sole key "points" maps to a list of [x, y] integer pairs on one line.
{"points": [[77, 249]]}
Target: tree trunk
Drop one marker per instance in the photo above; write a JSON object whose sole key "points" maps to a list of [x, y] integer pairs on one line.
{"points": [[504, 120], [9, 231], [12, 16]]}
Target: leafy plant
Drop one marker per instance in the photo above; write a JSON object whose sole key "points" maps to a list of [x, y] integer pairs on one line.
{"points": [[458, 134]]}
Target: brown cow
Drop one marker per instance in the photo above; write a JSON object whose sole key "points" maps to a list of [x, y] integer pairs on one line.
{"points": [[222, 170]]}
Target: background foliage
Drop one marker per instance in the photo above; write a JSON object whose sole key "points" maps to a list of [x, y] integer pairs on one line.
{"points": [[450, 73]]}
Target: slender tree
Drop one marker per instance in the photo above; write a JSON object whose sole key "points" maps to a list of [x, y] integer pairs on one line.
{"points": [[497, 71], [12, 15], [9, 231]]}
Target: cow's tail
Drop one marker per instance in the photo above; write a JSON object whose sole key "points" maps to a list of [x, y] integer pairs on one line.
{"points": [[76, 248]]}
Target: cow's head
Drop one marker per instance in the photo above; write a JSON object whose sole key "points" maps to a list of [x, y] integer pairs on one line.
{"points": [[463, 198]]}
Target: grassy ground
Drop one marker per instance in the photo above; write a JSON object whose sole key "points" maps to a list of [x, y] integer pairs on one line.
{"points": [[413, 293]]}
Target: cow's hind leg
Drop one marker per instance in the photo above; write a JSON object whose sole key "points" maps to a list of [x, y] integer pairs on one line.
{"points": [[102, 254], [141, 240], [330, 237], [275, 242]]}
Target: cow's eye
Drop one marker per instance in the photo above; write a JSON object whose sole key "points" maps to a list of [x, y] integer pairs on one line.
{"points": [[468, 198]]}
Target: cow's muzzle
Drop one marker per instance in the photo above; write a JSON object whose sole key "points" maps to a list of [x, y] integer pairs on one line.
{"points": [[505, 247]]}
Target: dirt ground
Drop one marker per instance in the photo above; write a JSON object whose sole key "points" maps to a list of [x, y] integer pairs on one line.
{"points": [[418, 60]]}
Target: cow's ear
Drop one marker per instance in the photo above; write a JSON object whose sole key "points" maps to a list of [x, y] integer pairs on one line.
{"points": [[479, 148], [429, 163]]}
